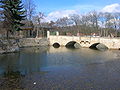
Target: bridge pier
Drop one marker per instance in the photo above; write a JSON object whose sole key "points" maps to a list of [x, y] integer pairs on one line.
{"points": [[48, 34], [57, 33]]}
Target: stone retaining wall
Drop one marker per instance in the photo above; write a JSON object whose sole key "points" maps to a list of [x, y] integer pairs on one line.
{"points": [[28, 42], [8, 46]]}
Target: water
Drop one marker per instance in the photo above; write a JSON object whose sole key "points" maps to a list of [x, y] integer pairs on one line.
{"points": [[49, 68]]}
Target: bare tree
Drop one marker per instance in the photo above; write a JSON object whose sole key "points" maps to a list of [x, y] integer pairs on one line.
{"points": [[38, 18], [76, 18], [52, 23], [77, 21], [102, 24], [93, 19], [116, 22], [30, 9], [62, 22], [108, 22]]}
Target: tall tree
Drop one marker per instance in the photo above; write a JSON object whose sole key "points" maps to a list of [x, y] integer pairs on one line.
{"points": [[37, 22], [30, 9], [93, 17], [76, 19], [38, 18], [13, 14], [116, 22], [63, 22]]}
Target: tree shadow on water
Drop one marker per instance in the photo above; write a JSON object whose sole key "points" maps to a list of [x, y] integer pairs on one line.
{"points": [[11, 80]]}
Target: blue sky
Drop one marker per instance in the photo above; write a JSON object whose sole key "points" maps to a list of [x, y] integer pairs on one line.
{"points": [[56, 7], [48, 6]]}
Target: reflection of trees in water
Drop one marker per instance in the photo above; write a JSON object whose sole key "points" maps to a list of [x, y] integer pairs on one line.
{"points": [[9, 60], [11, 80], [32, 59], [37, 49], [14, 66]]}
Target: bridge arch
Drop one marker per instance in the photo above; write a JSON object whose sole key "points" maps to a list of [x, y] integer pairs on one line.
{"points": [[98, 46], [56, 45], [72, 44]]}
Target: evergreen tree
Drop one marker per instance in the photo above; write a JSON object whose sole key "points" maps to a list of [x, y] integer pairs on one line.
{"points": [[13, 14]]}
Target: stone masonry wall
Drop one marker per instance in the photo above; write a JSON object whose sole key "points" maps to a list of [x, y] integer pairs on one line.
{"points": [[28, 42], [111, 43]]}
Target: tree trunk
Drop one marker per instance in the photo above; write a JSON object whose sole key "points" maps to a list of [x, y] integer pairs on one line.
{"points": [[7, 34]]}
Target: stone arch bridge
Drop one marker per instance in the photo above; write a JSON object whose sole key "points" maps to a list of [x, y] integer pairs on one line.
{"points": [[84, 41]]}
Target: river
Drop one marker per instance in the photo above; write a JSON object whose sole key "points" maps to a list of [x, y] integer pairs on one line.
{"points": [[49, 68]]}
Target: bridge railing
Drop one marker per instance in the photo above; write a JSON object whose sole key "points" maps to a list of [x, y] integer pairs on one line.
{"points": [[56, 33]]}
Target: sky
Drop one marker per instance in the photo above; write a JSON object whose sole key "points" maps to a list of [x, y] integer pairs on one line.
{"points": [[55, 9]]}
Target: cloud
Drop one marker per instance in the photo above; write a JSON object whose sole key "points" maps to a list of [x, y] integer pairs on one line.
{"points": [[80, 9], [53, 16], [111, 8]]}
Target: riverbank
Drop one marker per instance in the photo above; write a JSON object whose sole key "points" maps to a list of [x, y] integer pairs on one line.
{"points": [[12, 45]]}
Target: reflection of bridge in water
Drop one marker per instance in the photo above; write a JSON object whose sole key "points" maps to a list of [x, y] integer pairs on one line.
{"points": [[111, 43]]}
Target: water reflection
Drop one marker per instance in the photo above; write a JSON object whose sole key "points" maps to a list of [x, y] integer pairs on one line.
{"points": [[32, 59], [83, 56], [58, 61], [9, 60]]}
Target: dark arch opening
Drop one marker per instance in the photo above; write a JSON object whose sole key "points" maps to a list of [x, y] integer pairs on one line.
{"points": [[82, 42], [56, 45], [98, 46], [93, 46], [87, 42], [72, 44]]}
